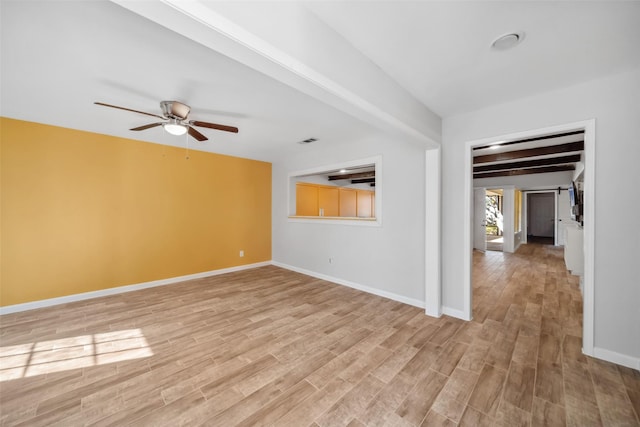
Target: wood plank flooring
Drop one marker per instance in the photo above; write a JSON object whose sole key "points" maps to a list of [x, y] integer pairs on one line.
{"points": [[273, 347]]}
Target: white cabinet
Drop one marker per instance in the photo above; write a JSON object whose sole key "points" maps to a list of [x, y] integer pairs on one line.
{"points": [[574, 248]]}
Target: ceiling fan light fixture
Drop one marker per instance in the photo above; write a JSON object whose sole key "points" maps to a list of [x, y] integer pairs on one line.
{"points": [[175, 128]]}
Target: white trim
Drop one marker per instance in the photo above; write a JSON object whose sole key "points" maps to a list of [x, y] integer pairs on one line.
{"points": [[520, 242], [556, 238], [467, 229], [374, 160], [390, 295], [589, 215], [122, 289], [448, 311], [588, 296], [524, 218], [613, 357], [432, 238], [325, 220]]}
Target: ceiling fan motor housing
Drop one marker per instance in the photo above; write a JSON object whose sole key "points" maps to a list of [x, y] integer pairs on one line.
{"points": [[175, 110]]}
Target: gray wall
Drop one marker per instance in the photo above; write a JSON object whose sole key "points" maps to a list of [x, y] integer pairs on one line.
{"points": [[387, 258], [614, 103]]}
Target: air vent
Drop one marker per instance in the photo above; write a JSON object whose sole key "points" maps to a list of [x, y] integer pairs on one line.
{"points": [[307, 141]]}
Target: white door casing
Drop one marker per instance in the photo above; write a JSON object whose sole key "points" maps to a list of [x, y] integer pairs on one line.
{"points": [[479, 219]]}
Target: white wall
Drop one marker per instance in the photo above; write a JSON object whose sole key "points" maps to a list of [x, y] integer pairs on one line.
{"points": [[614, 103], [508, 222], [388, 258]]}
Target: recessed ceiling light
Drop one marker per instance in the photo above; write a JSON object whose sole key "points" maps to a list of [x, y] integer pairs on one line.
{"points": [[507, 41], [343, 170]]}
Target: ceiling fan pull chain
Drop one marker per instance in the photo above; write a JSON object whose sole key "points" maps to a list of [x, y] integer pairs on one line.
{"points": [[186, 137]]}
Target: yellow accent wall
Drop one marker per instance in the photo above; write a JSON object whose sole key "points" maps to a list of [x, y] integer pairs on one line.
{"points": [[82, 212]]}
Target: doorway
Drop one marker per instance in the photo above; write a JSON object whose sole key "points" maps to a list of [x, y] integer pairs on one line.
{"points": [[588, 128], [541, 218], [488, 207], [494, 218]]}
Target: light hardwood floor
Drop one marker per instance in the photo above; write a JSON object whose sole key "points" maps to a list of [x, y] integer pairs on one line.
{"points": [[273, 347]]}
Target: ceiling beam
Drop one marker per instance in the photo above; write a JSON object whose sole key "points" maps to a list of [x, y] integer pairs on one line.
{"points": [[363, 181], [528, 163], [307, 67], [545, 169], [537, 138], [370, 174], [532, 152]]}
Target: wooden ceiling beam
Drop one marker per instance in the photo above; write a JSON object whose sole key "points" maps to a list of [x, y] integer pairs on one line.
{"points": [[532, 152], [363, 180], [545, 169], [537, 138], [370, 174], [529, 163]]}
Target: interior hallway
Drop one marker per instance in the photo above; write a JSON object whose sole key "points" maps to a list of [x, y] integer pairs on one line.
{"points": [[529, 302], [272, 347]]}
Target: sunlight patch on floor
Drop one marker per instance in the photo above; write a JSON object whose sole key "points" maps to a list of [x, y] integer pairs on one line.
{"points": [[39, 358]]}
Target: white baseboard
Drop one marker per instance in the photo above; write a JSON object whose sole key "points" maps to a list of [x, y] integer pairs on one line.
{"points": [[385, 294], [121, 289], [459, 314], [434, 312], [620, 359]]}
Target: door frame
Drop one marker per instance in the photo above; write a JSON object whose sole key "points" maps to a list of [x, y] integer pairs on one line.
{"points": [[589, 127], [484, 233]]}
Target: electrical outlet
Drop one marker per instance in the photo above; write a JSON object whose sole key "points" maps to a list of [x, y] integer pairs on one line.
{"points": [[241, 254]]}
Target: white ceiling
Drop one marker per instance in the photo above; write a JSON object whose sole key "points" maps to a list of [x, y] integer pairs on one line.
{"points": [[439, 50], [59, 57]]}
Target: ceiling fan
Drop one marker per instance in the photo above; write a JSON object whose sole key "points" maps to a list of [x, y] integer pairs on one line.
{"points": [[174, 116]]}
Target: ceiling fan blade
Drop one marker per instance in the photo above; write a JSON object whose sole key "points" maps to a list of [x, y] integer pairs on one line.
{"points": [[214, 126], [128, 109], [197, 135], [145, 127]]}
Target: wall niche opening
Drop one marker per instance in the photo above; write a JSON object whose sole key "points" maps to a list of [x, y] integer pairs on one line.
{"points": [[347, 192]]}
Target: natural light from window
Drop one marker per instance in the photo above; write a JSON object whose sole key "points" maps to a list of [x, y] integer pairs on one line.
{"points": [[44, 357]]}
